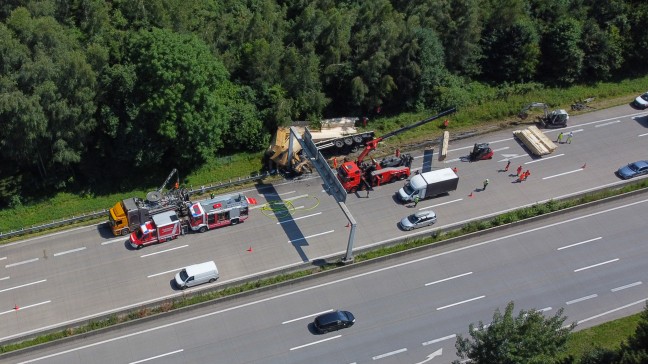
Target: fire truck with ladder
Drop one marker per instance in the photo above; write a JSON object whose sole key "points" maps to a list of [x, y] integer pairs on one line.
{"points": [[353, 175]]}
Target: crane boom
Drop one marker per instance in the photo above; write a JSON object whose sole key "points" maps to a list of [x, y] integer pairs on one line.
{"points": [[174, 171], [372, 144]]}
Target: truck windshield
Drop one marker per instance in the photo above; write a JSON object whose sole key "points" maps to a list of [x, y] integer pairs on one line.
{"points": [[184, 275], [139, 234], [343, 174], [408, 189]]}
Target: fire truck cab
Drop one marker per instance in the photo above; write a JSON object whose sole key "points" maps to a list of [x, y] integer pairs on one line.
{"points": [[218, 211], [162, 227]]}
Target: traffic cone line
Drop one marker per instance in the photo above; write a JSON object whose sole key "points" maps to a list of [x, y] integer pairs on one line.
{"points": [[249, 249]]}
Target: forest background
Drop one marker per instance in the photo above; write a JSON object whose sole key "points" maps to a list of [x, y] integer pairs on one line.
{"points": [[98, 97]]}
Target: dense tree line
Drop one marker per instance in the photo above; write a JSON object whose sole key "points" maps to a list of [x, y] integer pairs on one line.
{"points": [[90, 89]]}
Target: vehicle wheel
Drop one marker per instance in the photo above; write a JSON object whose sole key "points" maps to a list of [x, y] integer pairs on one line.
{"points": [[402, 177], [212, 280], [355, 148], [354, 189], [339, 144], [139, 247], [124, 232], [202, 229], [183, 287], [235, 221]]}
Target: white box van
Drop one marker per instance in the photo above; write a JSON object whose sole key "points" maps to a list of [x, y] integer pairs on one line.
{"points": [[196, 274]]}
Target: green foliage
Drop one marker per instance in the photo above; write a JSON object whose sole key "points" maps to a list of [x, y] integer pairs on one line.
{"points": [[528, 337]]}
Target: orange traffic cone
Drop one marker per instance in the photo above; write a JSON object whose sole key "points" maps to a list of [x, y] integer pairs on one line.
{"points": [[471, 195], [348, 224], [249, 249], [16, 307]]}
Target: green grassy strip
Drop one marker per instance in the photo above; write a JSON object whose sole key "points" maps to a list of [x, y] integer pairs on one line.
{"points": [[509, 217], [608, 335], [489, 105]]}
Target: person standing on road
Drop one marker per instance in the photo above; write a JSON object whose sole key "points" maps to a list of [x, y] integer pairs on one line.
{"points": [[486, 181], [569, 137], [508, 164], [559, 139], [527, 174], [519, 170], [416, 200]]}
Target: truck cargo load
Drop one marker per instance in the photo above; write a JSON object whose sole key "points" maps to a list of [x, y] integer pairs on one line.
{"points": [[429, 184], [535, 140]]}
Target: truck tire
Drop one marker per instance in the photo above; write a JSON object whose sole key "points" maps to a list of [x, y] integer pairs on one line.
{"points": [[357, 139], [202, 229], [139, 247], [124, 232], [348, 141], [339, 143], [235, 221]]}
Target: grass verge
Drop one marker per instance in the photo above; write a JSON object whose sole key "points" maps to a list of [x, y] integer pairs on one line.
{"points": [[599, 337]]}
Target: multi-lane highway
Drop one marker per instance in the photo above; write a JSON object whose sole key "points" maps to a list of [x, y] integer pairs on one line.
{"points": [[69, 276], [591, 262]]}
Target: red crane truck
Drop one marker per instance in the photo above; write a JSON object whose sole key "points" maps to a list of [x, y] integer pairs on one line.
{"points": [[162, 227], [354, 174]]}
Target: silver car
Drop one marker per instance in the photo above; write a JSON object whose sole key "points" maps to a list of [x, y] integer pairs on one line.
{"points": [[417, 220]]}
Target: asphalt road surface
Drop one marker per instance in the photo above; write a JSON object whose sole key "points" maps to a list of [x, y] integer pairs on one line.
{"points": [[591, 262], [69, 276]]}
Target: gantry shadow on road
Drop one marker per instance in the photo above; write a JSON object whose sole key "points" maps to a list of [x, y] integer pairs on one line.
{"points": [[283, 211]]}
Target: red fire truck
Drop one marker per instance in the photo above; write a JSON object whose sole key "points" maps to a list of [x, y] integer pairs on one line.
{"points": [[219, 211], [162, 227]]}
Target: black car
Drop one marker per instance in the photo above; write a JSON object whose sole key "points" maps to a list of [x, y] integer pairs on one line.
{"points": [[333, 321]]}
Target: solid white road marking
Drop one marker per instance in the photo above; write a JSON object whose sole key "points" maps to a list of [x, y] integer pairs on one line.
{"points": [[545, 158], [299, 218], [23, 262], [582, 242], [564, 173], [440, 204], [459, 303], [596, 265], [608, 123], [626, 286], [447, 279], [24, 307], [164, 251], [311, 236], [159, 274], [389, 354], [581, 299], [305, 317], [22, 285], [641, 301], [439, 340], [315, 342], [157, 356], [69, 251]]}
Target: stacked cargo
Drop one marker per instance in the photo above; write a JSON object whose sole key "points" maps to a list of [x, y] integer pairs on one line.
{"points": [[535, 140]]}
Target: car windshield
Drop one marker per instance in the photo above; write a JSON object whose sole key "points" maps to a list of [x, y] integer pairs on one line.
{"points": [[184, 275], [413, 219], [633, 166], [645, 96], [408, 189]]}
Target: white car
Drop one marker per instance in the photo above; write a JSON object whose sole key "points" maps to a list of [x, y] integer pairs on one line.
{"points": [[417, 220], [641, 101]]}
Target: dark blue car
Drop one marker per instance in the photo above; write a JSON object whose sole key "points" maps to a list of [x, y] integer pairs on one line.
{"points": [[633, 170], [333, 321]]}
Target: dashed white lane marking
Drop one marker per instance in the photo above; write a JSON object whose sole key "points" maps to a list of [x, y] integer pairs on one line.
{"points": [[311, 236], [459, 303], [121, 238], [626, 286], [164, 251], [22, 285], [69, 251], [581, 299], [441, 204], [167, 272], [439, 340], [500, 149], [24, 307], [2, 279], [596, 265], [447, 279], [545, 158], [389, 354], [640, 135], [157, 356], [299, 218], [564, 173], [582, 242], [452, 160], [20, 263], [3, 258], [305, 317], [315, 342]]}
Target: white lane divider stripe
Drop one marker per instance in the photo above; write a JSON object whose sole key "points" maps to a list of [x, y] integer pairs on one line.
{"points": [[582, 242], [24, 307], [157, 356], [20, 263], [315, 342], [305, 317], [164, 251], [596, 265], [311, 236], [626, 286], [69, 251], [459, 303]]}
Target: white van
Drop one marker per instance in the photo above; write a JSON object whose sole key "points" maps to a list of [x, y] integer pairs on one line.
{"points": [[196, 274]]}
